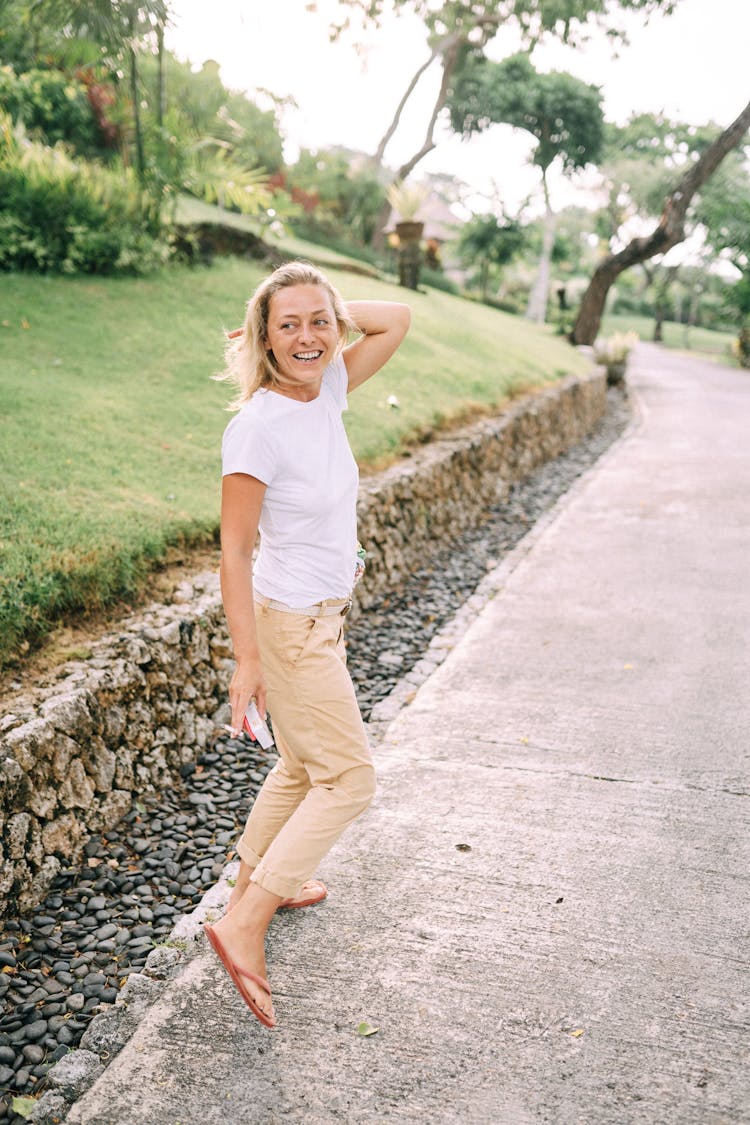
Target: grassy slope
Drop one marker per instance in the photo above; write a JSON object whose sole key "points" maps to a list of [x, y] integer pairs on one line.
{"points": [[112, 428]]}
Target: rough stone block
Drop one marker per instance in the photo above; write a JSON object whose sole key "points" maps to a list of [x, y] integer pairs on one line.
{"points": [[76, 791], [74, 1073]]}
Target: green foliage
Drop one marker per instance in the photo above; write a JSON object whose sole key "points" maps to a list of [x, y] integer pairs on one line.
{"points": [[52, 105], [112, 427], [214, 176], [63, 215], [407, 200], [200, 106], [338, 193], [561, 112], [724, 209], [716, 344], [564, 18], [30, 32], [641, 161], [487, 240], [180, 129], [436, 279]]}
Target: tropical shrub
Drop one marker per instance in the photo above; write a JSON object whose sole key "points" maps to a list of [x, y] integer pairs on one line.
{"points": [[59, 214], [52, 104]]}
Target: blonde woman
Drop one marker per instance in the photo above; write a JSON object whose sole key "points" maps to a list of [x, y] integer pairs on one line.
{"points": [[289, 473]]}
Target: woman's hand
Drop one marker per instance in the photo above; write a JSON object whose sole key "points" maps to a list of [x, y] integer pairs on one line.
{"points": [[247, 683]]}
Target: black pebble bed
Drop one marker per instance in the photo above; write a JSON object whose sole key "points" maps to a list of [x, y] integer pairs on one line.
{"points": [[99, 922]]}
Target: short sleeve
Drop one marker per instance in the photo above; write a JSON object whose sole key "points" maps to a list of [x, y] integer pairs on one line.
{"points": [[336, 378], [247, 448]]}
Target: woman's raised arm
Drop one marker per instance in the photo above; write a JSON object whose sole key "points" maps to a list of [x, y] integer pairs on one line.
{"points": [[383, 325]]}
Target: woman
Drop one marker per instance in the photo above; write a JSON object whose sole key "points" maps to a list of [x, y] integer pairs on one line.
{"points": [[288, 471]]}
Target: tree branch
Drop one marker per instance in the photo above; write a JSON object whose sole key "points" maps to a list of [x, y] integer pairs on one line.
{"points": [[380, 152], [668, 232], [450, 58]]}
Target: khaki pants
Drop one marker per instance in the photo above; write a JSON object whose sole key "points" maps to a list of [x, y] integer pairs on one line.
{"points": [[324, 777]]}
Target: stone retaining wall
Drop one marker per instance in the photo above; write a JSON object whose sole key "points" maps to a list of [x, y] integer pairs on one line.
{"points": [[75, 754]]}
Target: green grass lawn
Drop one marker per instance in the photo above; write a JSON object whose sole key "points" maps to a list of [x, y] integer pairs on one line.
{"points": [[716, 344], [111, 425]]}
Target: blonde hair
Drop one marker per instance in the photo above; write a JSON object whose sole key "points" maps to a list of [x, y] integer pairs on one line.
{"points": [[248, 364]]}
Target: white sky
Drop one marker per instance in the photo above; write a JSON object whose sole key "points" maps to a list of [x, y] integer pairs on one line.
{"points": [[692, 65]]}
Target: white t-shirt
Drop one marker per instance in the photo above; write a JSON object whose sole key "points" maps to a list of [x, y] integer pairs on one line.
{"points": [[308, 521]]}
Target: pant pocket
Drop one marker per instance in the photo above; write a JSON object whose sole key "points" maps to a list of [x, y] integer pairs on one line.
{"points": [[295, 636]]}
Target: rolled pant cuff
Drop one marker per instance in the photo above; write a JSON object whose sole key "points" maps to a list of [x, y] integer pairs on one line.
{"points": [[246, 853], [276, 884]]}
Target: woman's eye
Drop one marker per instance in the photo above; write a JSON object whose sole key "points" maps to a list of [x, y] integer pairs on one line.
{"points": [[321, 320]]}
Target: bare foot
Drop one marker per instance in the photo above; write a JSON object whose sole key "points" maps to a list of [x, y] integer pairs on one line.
{"points": [[238, 891], [309, 894], [243, 938]]}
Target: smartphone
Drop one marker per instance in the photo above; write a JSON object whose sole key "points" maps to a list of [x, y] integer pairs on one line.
{"points": [[256, 727]]}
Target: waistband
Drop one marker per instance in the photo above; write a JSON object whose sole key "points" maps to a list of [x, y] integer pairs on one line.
{"points": [[327, 608]]}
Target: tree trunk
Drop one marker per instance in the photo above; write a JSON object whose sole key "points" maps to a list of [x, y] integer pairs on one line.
{"points": [[692, 314], [449, 55], [669, 231], [484, 274], [161, 93], [140, 159], [536, 309]]}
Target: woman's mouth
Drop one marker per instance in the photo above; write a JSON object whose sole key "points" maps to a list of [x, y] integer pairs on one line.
{"points": [[307, 357]]}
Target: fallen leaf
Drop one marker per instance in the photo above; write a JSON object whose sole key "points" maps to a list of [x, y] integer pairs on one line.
{"points": [[628, 667], [463, 847], [577, 1033], [525, 741], [25, 323], [366, 1029], [23, 1107]]}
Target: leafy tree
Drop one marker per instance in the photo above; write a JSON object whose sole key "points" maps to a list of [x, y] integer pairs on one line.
{"points": [[202, 115], [338, 191], [724, 210], [31, 31], [562, 114], [640, 162], [668, 232], [455, 27], [491, 242], [113, 32]]}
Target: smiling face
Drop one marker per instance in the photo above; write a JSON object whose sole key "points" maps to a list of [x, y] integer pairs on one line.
{"points": [[303, 336]]}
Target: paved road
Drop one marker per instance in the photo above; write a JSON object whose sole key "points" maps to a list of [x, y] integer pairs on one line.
{"points": [[545, 913]]}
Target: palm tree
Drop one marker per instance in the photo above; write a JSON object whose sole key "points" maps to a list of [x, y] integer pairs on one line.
{"points": [[121, 26]]}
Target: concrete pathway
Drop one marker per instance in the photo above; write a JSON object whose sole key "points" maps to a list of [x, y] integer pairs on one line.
{"points": [[545, 913]]}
